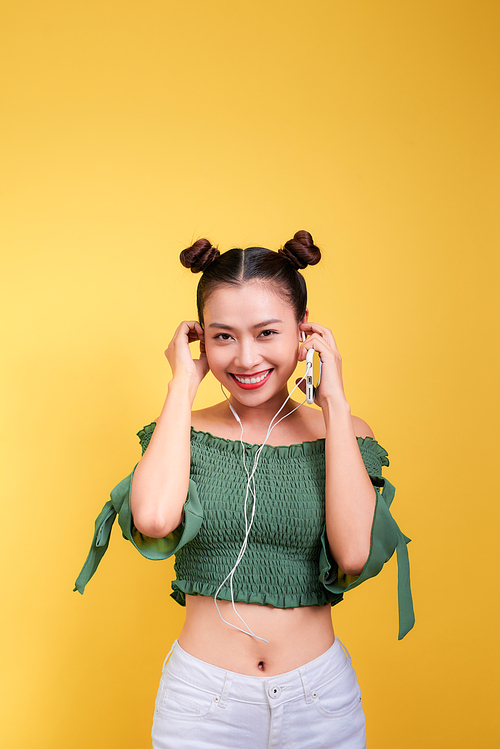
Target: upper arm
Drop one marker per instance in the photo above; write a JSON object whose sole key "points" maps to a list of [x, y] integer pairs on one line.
{"points": [[361, 428]]}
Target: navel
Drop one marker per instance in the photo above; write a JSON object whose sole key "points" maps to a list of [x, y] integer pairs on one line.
{"points": [[261, 665]]}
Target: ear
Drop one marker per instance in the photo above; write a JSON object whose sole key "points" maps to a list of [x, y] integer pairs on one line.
{"points": [[302, 336]]}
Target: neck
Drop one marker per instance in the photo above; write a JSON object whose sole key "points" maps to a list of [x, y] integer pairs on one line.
{"points": [[259, 418]]}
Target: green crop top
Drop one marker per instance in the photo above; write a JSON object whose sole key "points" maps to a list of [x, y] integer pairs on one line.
{"points": [[287, 562]]}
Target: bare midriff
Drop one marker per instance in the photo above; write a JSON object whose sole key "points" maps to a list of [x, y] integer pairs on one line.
{"points": [[296, 636]]}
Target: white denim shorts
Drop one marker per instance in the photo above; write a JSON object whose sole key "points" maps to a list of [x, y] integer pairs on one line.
{"points": [[200, 706]]}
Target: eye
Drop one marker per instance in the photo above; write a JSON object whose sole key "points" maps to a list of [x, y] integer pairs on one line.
{"points": [[222, 337], [268, 333]]}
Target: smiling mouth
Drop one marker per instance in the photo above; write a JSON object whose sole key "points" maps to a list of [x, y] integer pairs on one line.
{"points": [[252, 381]]}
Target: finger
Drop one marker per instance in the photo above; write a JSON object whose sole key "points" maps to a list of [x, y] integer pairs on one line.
{"points": [[314, 327], [182, 331], [196, 332], [311, 328], [186, 326], [316, 342], [185, 331]]}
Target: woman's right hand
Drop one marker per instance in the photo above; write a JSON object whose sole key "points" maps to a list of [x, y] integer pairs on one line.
{"points": [[184, 367], [161, 479]]}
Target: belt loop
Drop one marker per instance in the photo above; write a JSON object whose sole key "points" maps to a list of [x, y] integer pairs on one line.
{"points": [[226, 689], [169, 654], [305, 685], [344, 648]]}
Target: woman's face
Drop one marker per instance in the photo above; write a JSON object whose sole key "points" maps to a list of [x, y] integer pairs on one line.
{"points": [[251, 340]]}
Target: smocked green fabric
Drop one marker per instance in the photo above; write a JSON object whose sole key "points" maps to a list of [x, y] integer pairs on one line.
{"points": [[287, 562]]}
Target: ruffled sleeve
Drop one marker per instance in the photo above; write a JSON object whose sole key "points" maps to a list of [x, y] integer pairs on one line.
{"points": [[386, 537], [119, 504]]}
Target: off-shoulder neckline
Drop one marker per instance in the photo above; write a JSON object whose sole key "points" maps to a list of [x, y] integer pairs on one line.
{"points": [[320, 440], [307, 447]]}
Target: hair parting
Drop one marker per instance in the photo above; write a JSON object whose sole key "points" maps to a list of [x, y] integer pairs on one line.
{"points": [[238, 266]]}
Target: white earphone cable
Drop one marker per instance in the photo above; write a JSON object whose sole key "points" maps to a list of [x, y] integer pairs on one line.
{"points": [[250, 489]]}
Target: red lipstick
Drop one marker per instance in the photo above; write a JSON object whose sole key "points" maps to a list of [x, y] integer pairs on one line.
{"points": [[252, 385]]}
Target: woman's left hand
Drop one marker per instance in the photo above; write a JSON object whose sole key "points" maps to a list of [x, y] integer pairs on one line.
{"points": [[331, 387]]}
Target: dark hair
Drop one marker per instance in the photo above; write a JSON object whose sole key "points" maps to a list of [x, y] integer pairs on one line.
{"points": [[238, 266]]}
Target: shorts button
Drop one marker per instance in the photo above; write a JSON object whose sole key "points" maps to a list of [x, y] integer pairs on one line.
{"points": [[274, 691]]}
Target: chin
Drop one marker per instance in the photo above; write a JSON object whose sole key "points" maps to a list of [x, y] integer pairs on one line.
{"points": [[257, 397]]}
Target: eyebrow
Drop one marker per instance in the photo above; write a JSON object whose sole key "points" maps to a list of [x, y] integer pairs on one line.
{"points": [[259, 325]]}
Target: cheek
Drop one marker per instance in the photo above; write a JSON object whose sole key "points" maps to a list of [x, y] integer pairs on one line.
{"points": [[290, 351], [215, 357]]}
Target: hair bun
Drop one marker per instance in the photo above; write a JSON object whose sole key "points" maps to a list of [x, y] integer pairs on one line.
{"points": [[301, 250], [199, 256]]}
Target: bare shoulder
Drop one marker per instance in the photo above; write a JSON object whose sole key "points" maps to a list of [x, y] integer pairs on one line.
{"points": [[211, 419], [312, 424], [313, 416], [204, 418], [361, 428]]}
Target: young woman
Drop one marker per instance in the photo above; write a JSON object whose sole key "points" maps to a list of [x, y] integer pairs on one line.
{"points": [[273, 509]]}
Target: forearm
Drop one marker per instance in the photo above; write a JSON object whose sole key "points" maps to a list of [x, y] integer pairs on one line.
{"points": [[161, 479], [349, 494]]}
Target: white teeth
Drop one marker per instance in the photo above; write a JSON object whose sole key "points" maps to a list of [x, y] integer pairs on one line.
{"points": [[251, 380]]}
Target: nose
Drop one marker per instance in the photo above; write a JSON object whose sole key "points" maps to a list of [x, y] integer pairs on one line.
{"points": [[248, 355]]}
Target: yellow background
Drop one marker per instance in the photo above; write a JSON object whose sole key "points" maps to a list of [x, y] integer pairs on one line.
{"points": [[128, 130]]}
